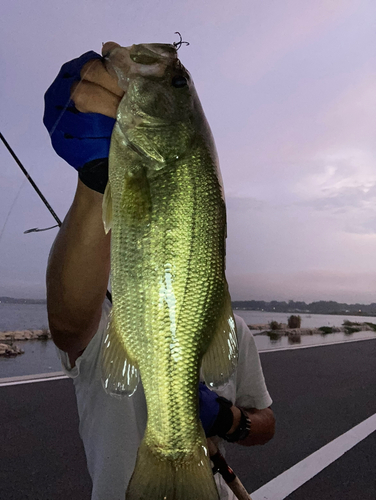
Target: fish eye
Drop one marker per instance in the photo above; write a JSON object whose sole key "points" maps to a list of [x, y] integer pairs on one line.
{"points": [[179, 81]]}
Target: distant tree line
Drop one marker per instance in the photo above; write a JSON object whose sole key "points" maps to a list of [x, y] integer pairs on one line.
{"points": [[12, 300], [320, 307]]}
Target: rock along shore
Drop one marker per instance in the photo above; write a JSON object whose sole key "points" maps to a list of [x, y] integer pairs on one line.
{"points": [[284, 330], [8, 350], [25, 335], [7, 346]]}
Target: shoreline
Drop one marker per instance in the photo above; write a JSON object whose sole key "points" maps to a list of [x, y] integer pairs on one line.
{"points": [[9, 349], [283, 329], [12, 335]]}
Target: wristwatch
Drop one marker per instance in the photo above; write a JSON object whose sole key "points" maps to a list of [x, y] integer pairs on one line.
{"points": [[242, 431]]}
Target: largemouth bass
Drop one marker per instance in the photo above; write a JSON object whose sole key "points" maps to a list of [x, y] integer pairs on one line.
{"points": [[171, 311]]}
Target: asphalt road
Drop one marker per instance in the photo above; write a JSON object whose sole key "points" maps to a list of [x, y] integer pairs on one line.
{"points": [[41, 453], [319, 393]]}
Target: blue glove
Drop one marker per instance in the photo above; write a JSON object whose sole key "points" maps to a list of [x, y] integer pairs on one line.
{"points": [[215, 412], [81, 139]]}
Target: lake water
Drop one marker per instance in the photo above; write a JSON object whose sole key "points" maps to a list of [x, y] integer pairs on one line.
{"points": [[265, 342], [23, 316], [308, 320], [41, 357]]}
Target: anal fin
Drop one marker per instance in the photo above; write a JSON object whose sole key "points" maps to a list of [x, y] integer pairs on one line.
{"points": [[120, 376], [220, 360]]}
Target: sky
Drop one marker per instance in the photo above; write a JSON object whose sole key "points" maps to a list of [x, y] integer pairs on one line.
{"points": [[288, 88]]}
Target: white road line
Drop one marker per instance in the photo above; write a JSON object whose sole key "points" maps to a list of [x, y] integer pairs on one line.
{"points": [[290, 480], [315, 345], [30, 379]]}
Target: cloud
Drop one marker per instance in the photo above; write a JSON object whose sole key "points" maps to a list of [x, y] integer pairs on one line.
{"points": [[343, 184]]}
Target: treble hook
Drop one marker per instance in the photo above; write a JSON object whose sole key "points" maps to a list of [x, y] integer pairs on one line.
{"points": [[178, 44]]}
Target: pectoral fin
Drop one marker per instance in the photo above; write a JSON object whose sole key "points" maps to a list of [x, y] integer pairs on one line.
{"points": [[107, 208], [120, 375], [145, 146], [136, 199], [219, 361]]}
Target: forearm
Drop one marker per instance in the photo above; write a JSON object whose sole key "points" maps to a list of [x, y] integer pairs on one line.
{"points": [[262, 425], [78, 272]]}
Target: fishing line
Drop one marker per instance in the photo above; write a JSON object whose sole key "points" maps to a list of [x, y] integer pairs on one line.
{"points": [[70, 99], [11, 208]]}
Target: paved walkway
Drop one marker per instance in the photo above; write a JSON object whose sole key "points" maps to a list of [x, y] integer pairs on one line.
{"points": [[319, 395]]}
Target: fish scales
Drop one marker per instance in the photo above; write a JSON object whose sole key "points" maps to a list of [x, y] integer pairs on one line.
{"points": [[168, 280], [174, 253]]}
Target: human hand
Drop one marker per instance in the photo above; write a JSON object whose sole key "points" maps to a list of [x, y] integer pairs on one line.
{"points": [[216, 414], [80, 111]]}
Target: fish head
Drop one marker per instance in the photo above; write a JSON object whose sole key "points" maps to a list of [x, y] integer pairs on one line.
{"points": [[159, 112]]}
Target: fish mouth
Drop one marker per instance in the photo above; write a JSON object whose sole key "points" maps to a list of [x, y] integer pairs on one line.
{"points": [[150, 53], [151, 59]]}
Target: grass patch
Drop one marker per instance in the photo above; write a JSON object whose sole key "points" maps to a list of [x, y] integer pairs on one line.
{"points": [[326, 329], [349, 330], [371, 325], [274, 325], [351, 323]]}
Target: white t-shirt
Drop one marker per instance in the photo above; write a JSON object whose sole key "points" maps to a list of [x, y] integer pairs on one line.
{"points": [[112, 429]]}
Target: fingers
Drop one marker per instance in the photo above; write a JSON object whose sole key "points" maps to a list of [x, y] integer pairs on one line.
{"points": [[94, 71], [89, 97], [98, 90]]}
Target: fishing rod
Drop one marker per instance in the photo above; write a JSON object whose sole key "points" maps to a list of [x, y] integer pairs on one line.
{"points": [[231, 479], [17, 160], [41, 196]]}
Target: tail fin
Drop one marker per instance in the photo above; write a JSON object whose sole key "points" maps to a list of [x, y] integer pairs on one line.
{"points": [[161, 479]]}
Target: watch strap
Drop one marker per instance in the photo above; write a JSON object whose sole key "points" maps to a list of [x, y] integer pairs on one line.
{"points": [[242, 432]]}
